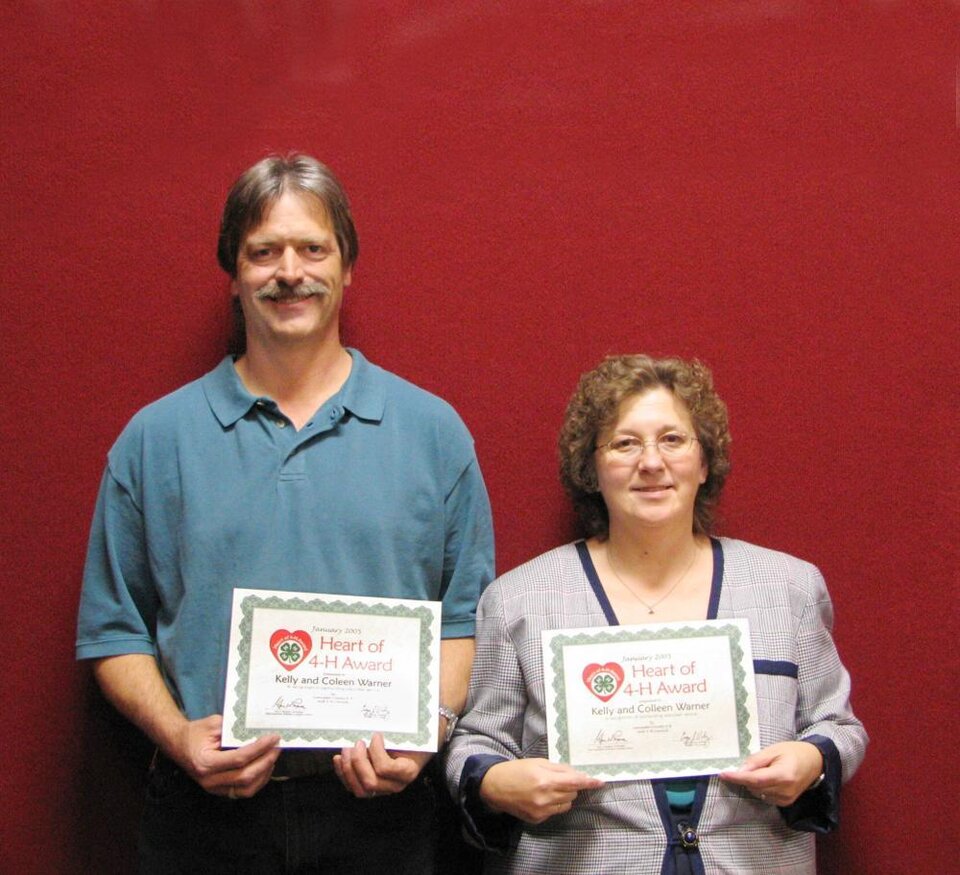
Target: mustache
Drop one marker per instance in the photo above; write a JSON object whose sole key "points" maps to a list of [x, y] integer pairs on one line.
{"points": [[274, 291]]}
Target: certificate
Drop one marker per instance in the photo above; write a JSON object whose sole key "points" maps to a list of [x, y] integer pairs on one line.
{"points": [[654, 701], [328, 670]]}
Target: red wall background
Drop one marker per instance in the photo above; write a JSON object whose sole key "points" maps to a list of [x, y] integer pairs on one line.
{"points": [[769, 185]]}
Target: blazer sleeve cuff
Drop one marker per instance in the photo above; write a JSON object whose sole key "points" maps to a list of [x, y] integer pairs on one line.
{"points": [[487, 829], [818, 809]]}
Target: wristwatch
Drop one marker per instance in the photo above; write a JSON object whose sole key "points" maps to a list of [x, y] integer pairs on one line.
{"points": [[452, 718]]}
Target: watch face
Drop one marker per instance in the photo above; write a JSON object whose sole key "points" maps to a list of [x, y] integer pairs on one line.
{"points": [[452, 718]]}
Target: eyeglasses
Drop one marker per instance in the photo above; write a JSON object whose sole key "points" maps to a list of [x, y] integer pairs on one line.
{"points": [[627, 448]]}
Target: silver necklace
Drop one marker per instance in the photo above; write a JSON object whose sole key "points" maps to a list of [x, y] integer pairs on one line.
{"points": [[630, 589]]}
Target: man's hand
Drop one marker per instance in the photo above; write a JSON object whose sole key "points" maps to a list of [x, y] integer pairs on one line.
{"points": [[780, 773], [238, 773], [133, 683], [533, 789], [373, 770]]}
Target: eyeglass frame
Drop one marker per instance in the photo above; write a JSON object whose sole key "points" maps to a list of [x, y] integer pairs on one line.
{"points": [[668, 454]]}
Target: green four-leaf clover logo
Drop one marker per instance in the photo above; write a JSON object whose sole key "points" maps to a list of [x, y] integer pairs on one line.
{"points": [[604, 684], [289, 651]]}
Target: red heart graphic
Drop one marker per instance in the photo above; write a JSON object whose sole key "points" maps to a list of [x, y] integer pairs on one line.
{"points": [[603, 680], [290, 648]]}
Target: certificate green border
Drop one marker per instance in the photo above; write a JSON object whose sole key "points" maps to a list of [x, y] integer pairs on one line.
{"points": [[425, 720], [731, 632]]}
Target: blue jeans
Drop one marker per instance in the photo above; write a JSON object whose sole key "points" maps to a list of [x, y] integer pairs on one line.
{"points": [[303, 825]]}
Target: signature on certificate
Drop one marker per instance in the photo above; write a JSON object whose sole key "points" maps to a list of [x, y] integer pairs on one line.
{"points": [[697, 739], [282, 706], [613, 739], [375, 712]]}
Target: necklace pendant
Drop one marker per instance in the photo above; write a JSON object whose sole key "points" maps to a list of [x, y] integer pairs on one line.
{"points": [[650, 611]]}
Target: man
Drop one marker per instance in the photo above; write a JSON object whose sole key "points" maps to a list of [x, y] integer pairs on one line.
{"points": [[297, 465]]}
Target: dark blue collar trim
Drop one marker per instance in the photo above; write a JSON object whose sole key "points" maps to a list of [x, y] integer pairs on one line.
{"points": [[590, 570]]}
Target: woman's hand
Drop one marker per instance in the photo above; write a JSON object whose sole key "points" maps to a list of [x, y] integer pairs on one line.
{"points": [[533, 789], [780, 773]]}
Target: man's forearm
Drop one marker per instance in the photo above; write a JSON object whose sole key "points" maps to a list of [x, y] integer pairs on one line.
{"points": [[133, 684], [456, 660]]}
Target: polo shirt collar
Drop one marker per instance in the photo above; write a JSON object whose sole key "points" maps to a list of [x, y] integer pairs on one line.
{"points": [[363, 394]]}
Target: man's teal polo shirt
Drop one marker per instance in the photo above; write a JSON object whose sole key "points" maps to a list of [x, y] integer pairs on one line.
{"points": [[211, 488]]}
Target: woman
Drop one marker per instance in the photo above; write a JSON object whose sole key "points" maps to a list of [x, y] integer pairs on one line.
{"points": [[644, 455]]}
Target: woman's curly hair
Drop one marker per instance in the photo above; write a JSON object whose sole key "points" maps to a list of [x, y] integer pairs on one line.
{"points": [[595, 406]]}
